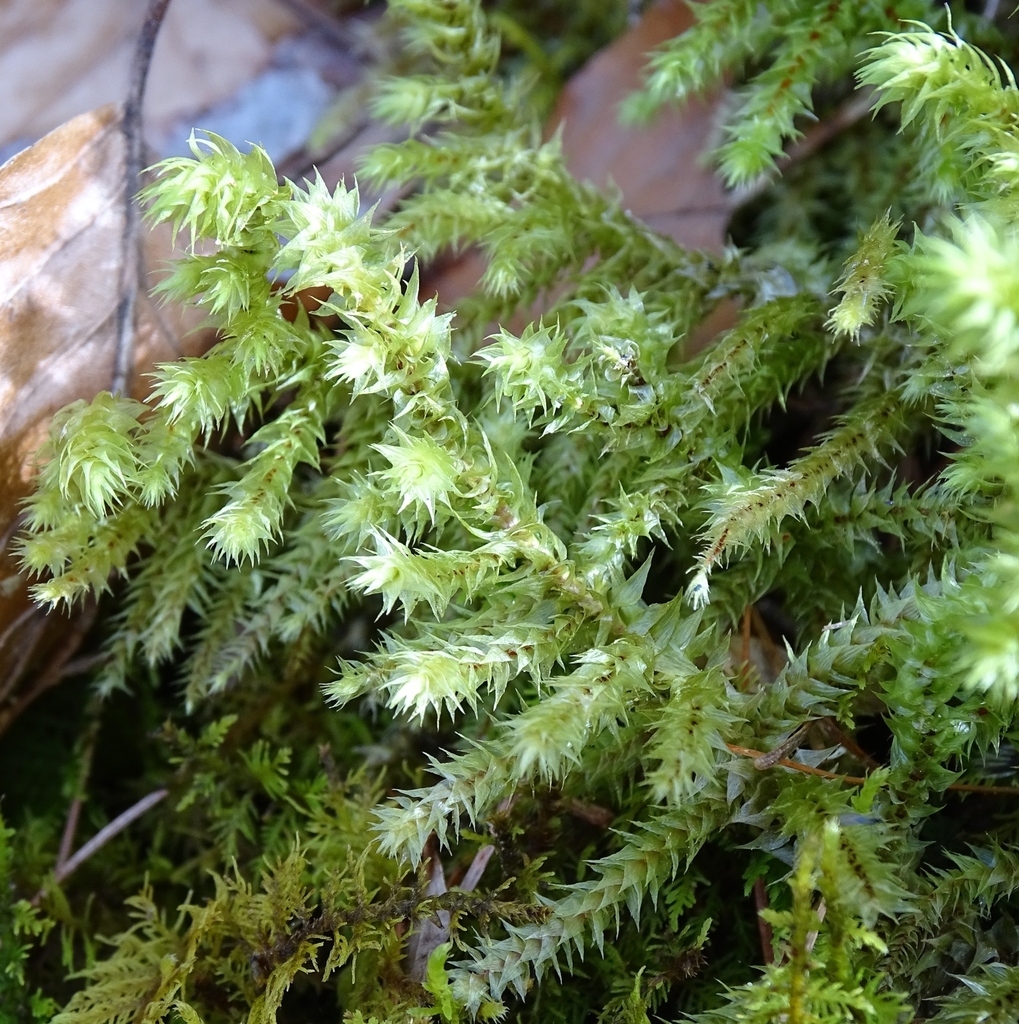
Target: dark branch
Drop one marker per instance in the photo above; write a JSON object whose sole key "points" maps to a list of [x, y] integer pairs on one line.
{"points": [[87, 746], [53, 673], [815, 138], [131, 126], [102, 837], [763, 927]]}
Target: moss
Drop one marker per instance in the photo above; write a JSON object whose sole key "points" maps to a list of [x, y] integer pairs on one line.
{"points": [[672, 645]]}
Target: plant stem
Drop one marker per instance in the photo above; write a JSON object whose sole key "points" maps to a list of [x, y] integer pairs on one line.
{"points": [[55, 671], [855, 780], [763, 928], [102, 837], [131, 126]]}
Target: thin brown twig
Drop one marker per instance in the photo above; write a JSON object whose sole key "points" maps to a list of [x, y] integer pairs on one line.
{"points": [[785, 762], [853, 110], [19, 621], [105, 834], [131, 126], [786, 746], [843, 117], [837, 733], [776, 660], [102, 837], [79, 666], [744, 630], [16, 523], [976, 787], [54, 671], [763, 927], [855, 780], [304, 163], [255, 715], [70, 828], [593, 814], [34, 631], [88, 746]]}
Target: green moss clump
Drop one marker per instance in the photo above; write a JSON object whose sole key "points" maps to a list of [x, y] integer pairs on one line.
{"points": [[754, 606]]}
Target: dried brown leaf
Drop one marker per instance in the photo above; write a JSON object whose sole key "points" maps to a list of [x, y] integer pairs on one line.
{"points": [[61, 220], [61, 228], [61, 252], [659, 168]]}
